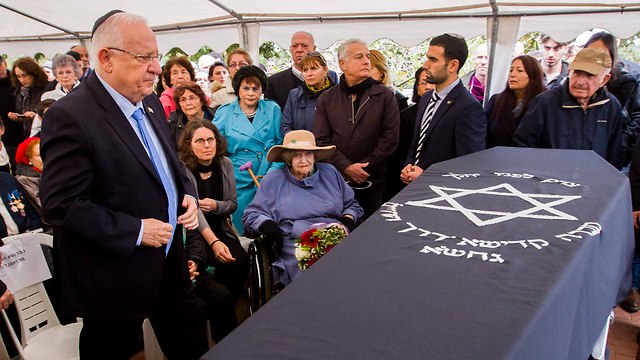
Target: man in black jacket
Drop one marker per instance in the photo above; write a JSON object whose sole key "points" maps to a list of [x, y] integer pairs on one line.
{"points": [[281, 83]]}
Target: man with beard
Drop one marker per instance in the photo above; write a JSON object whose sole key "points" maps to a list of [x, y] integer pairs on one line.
{"points": [[475, 80], [580, 114], [554, 67], [450, 122]]}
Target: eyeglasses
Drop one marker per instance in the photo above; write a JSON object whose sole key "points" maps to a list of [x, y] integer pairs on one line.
{"points": [[143, 59], [189, 99], [317, 55], [200, 142], [237, 65]]}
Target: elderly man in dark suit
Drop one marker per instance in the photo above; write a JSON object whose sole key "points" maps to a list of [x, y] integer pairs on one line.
{"points": [[450, 122], [117, 197], [280, 84]]}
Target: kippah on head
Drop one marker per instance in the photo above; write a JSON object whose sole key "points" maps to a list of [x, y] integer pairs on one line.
{"points": [[102, 19]]}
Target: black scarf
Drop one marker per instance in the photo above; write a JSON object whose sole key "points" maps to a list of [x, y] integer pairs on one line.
{"points": [[357, 89]]}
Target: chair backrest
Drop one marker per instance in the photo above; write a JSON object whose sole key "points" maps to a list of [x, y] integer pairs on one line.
{"points": [[35, 311]]}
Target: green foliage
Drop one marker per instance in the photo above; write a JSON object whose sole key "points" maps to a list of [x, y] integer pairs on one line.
{"points": [[202, 51], [174, 52]]}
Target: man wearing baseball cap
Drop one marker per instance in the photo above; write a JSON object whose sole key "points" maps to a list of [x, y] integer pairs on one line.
{"points": [[580, 114]]}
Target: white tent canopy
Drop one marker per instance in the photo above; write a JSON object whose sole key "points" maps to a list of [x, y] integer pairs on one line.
{"points": [[49, 27]]}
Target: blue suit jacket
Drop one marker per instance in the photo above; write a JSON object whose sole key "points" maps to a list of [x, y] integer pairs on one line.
{"points": [[97, 185], [12, 196], [458, 128]]}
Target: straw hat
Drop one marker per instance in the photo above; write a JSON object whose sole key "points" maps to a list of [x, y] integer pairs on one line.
{"points": [[299, 140]]}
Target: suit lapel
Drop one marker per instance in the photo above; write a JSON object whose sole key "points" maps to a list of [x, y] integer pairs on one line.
{"points": [[120, 125], [445, 105], [160, 126]]}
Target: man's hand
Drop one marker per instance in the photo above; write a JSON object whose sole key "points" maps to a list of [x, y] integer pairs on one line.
{"points": [[222, 252], [190, 217], [636, 220], [355, 172], [410, 173], [156, 233], [6, 299], [207, 205], [193, 269]]}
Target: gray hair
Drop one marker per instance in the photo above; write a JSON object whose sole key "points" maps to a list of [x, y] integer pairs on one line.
{"points": [[342, 50], [64, 60], [287, 156], [108, 34]]}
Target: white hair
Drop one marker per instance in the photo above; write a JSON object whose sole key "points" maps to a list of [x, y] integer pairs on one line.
{"points": [[108, 33], [342, 50], [63, 60]]}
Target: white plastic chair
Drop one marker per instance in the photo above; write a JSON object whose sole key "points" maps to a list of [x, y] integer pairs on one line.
{"points": [[42, 335]]}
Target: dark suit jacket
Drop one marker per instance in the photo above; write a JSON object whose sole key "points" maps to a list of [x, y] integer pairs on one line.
{"points": [[281, 83], [458, 128], [500, 130], [96, 187], [12, 194]]}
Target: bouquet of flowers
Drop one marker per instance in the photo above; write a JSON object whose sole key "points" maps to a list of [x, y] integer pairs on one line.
{"points": [[317, 241]]}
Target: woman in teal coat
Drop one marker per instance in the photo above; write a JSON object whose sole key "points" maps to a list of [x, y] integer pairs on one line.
{"points": [[251, 127]]}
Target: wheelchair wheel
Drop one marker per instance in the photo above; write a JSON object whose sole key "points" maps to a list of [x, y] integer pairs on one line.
{"points": [[261, 288]]}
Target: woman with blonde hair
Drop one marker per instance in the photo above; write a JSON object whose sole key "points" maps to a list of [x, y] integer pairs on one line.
{"points": [[380, 72]]}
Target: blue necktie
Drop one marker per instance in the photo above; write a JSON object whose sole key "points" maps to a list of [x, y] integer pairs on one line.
{"points": [[138, 116]]}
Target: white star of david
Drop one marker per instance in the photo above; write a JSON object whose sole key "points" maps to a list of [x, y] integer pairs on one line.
{"points": [[498, 190]]}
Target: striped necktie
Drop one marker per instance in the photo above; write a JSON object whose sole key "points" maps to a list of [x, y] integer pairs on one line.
{"points": [[426, 120]]}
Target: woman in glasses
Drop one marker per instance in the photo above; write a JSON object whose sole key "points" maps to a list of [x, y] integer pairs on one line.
{"points": [[177, 71], [235, 60], [251, 126], [215, 245], [191, 104], [301, 104]]}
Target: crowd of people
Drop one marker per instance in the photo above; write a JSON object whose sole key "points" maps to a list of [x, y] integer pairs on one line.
{"points": [[119, 155]]}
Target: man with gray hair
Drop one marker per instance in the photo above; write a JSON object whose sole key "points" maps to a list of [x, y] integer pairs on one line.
{"points": [[360, 117], [118, 199], [280, 84], [580, 114]]}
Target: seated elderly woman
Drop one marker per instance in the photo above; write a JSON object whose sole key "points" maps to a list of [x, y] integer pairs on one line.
{"points": [[192, 104], [291, 199], [29, 169], [65, 69]]}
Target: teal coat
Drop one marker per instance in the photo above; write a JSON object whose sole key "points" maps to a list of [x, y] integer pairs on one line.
{"points": [[249, 141]]}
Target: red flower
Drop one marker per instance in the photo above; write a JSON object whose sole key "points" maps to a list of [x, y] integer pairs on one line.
{"points": [[329, 248], [313, 242], [306, 237]]}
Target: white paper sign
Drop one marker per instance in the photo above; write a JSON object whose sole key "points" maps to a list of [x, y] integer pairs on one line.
{"points": [[23, 263]]}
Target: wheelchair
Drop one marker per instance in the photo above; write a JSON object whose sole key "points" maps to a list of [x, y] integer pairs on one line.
{"points": [[261, 284]]}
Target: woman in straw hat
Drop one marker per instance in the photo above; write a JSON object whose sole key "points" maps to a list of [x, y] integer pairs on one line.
{"points": [[293, 198]]}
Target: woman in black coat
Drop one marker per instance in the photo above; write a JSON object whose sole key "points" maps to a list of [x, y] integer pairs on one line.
{"points": [[506, 109], [191, 103], [30, 81]]}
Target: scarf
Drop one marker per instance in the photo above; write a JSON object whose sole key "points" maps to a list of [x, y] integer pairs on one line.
{"points": [[476, 88], [315, 91]]}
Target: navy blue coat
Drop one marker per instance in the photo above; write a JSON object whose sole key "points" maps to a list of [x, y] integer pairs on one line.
{"points": [[555, 120], [458, 128], [299, 111], [13, 199]]}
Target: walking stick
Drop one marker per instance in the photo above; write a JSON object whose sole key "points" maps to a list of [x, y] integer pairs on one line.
{"points": [[248, 166]]}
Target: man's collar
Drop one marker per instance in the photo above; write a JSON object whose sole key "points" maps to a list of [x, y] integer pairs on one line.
{"points": [[297, 73], [125, 105]]}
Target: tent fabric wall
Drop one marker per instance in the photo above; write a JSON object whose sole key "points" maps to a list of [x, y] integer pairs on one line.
{"points": [[53, 26]]}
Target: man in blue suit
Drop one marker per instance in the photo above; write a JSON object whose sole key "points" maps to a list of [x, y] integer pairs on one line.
{"points": [[118, 197], [450, 122]]}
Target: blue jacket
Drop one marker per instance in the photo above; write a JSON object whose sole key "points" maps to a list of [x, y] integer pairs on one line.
{"points": [[300, 109], [21, 210], [555, 120], [249, 141]]}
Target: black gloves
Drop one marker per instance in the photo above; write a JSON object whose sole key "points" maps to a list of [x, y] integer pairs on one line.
{"points": [[348, 222], [272, 233]]}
